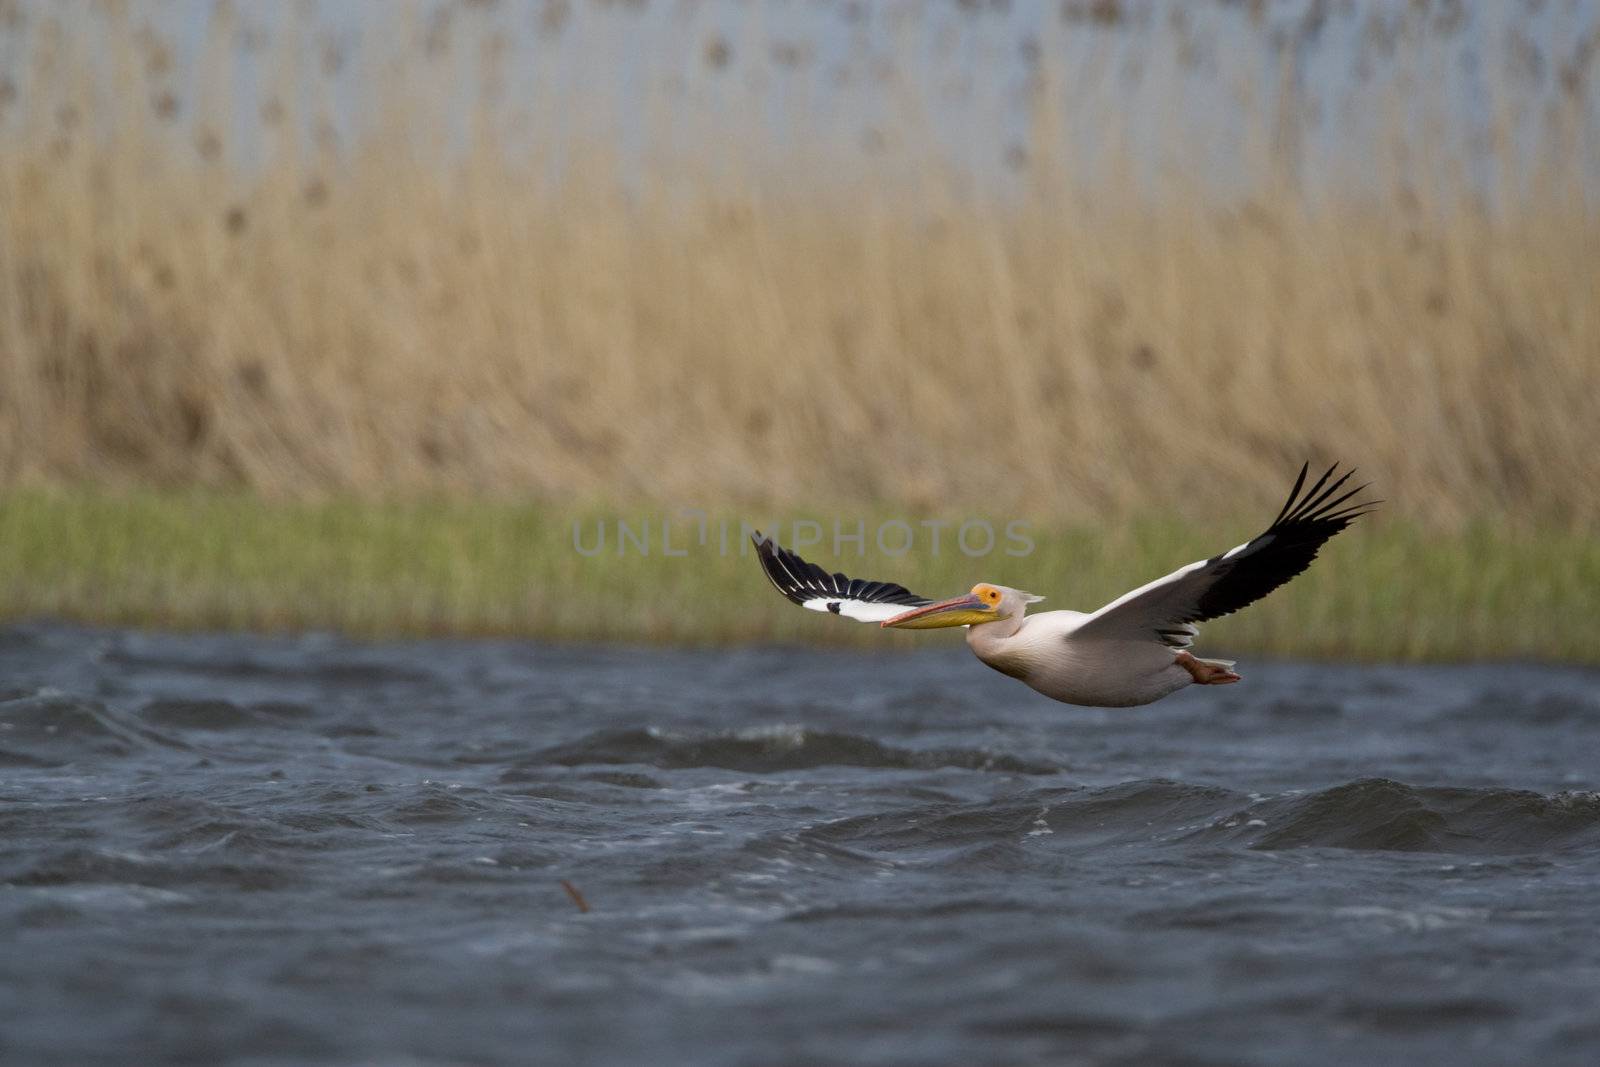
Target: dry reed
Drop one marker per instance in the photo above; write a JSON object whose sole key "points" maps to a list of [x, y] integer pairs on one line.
{"points": [[743, 316]]}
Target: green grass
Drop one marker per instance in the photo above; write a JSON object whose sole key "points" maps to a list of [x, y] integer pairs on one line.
{"points": [[1383, 591]]}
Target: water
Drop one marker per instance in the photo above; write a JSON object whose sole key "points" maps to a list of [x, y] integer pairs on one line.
{"points": [[274, 851]]}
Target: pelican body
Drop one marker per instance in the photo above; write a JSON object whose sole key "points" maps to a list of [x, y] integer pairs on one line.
{"points": [[1133, 651]]}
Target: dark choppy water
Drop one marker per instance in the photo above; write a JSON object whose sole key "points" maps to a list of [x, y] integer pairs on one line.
{"points": [[308, 851]]}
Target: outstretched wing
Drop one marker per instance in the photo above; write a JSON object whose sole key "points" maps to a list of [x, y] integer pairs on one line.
{"points": [[1168, 608], [812, 587]]}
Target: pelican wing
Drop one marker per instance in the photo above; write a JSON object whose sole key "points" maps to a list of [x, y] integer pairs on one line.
{"points": [[1168, 608], [812, 587]]}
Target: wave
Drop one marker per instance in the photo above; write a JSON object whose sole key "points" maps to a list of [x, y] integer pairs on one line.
{"points": [[1132, 811], [48, 729], [1385, 815], [1374, 814], [210, 715], [99, 866], [789, 748], [292, 665]]}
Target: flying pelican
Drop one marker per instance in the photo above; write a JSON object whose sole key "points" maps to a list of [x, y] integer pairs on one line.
{"points": [[1135, 650]]}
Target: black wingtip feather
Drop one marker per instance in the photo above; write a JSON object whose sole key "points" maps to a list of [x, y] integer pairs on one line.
{"points": [[1311, 493], [800, 580], [1287, 547], [1318, 502], [1330, 506], [1305, 468]]}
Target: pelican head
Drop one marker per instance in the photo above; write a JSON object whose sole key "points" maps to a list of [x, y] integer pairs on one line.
{"points": [[986, 603]]}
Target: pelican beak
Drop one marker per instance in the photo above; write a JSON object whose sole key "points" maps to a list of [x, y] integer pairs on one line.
{"points": [[965, 610]]}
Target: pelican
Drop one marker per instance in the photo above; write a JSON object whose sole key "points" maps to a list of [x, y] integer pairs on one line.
{"points": [[1133, 651]]}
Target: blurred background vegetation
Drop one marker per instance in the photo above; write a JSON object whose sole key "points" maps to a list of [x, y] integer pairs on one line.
{"points": [[342, 314]]}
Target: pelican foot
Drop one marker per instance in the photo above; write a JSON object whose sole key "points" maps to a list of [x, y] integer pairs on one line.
{"points": [[1206, 672]]}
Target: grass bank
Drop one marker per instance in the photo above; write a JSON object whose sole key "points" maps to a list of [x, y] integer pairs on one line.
{"points": [[1386, 590]]}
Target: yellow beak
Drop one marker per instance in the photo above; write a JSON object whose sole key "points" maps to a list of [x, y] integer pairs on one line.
{"points": [[958, 611]]}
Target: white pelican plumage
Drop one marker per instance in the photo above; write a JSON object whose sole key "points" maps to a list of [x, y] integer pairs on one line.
{"points": [[1135, 650]]}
